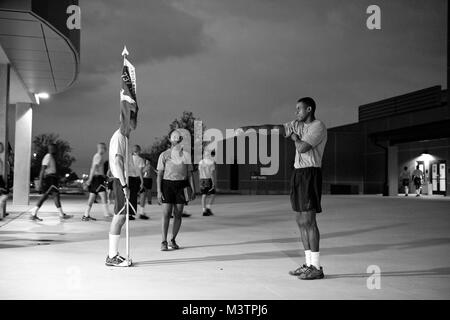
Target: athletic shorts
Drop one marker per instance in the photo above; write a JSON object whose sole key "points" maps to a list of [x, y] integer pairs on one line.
{"points": [[98, 184], [50, 183], [110, 183], [306, 189], [405, 182], [148, 183], [205, 187], [119, 196], [417, 182], [3, 188], [173, 191]]}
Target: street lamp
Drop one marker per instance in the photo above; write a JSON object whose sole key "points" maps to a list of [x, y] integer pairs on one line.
{"points": [[41, 95]]}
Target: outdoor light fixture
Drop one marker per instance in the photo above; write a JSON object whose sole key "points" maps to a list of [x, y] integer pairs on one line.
{"points": [[41, 95]]}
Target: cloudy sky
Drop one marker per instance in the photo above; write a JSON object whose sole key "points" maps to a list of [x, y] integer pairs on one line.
{"points": [[242, 62]]}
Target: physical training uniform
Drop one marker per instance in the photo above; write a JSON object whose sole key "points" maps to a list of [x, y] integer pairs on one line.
{"points": [[306, 179], [417, 178], [117, 146], [206, 168], [98, 182], [404, 177], [135, 164], [50, 182], [146, 173], [175, 166]]}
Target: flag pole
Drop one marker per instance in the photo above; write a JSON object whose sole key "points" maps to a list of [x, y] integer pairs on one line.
{"points": [[127, 201]]}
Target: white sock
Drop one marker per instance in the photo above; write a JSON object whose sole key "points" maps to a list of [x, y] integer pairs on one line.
{"points": [[140, 210], [204, 209], [35, 211], [208, 206], [113, 245], [308, 257], [88, 210], [315, 259]]}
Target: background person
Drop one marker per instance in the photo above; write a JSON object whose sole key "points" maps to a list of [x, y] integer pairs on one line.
{"points": [[417, 177], [174, 175], [207, 175], [404, 178], [135, 180], [49, 184], [146, 193], [97, 182], [139, 165]]}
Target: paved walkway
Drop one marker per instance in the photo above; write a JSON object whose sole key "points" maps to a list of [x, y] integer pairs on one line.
{"points": [[243, 252]]}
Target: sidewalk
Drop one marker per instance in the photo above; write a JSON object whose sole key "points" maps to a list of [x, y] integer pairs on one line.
{"points": [[243, 252]]}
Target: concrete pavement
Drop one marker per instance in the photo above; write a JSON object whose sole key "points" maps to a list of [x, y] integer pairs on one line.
{"points": [[243, 252]]}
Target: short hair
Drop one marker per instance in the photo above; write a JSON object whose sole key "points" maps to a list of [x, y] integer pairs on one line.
{"points": [[137, 146], [309, 102], [102, 144]]}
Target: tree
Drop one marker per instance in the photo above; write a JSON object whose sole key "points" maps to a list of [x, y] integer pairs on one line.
{"points": [[63, 157]]}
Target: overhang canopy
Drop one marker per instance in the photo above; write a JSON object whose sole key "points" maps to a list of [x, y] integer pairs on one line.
{"points": [[43, 58]]}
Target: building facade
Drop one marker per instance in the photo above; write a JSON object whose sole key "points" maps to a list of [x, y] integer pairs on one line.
{"points": [[39, 56], [365, 157]]}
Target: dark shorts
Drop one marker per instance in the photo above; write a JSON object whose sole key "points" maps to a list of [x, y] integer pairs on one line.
{"points": [[148, 183], [206, 187], [3, 188], [50, 184], [405, 182], [173, 191], [417, 182], [98, 184], [110, 183], [306, 189], [119, 196]]}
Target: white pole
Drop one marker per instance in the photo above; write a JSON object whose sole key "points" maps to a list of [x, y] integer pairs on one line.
{"points": [[127, 231]]}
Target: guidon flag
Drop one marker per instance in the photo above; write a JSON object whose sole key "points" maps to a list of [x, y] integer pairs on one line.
{"points": [[128, 103]]}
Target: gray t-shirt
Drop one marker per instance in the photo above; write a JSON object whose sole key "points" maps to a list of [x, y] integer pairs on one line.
{"points": [[175, 164], [313, 133]]}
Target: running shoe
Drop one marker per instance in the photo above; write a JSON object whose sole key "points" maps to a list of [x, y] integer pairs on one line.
{"points": [[65, 216], [174, 245], [35, 218], [312, 274], [185, 215], [117, 261], [88, 218], [299, 271], [207, 213], [164, 246], [143, 217]]}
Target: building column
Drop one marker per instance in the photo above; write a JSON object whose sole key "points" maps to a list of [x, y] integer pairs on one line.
{"points": [[393, 170], [4, 102], [22, 154]]}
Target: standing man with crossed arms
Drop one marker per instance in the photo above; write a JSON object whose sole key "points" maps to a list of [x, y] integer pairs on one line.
{"points": [[310, 138]]}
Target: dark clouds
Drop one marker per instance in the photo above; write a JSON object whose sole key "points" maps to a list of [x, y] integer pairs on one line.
{"points": [[237, 62], [155, 30]]}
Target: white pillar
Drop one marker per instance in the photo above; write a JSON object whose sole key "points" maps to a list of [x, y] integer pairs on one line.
{"points": [[393, 170], [22, 154], [4, 102]]}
